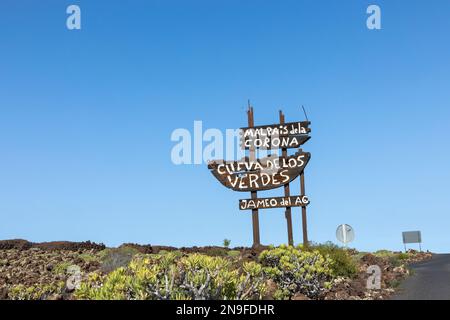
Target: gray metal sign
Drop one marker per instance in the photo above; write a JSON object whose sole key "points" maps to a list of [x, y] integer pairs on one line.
{"points": [[412, 237], [345, 233]]}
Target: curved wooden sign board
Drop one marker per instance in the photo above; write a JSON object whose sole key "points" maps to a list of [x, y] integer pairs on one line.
{"points": [[261, 174]]}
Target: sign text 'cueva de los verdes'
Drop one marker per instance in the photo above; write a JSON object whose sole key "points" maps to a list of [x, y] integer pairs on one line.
{"points": [[258, 175], [252, 174]]}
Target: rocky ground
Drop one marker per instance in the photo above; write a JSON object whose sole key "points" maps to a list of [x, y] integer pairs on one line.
{"points": [[23, 264], [38, 270], [392, 273]]}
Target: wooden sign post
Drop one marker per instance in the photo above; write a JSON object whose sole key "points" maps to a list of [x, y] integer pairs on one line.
{"points": [[287, 213], [252, 174], [255, 215], [304, 225]]}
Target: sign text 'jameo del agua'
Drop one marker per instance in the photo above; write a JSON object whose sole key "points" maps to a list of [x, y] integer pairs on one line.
{"points": [[253, 175], [274, 202]]}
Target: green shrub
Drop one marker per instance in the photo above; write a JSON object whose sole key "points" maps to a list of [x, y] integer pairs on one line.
{"points": [[403, 256], [114, 258], [343, 263], [394, 283], [226, 243], [295, 270], [395, 261], [204, 277], [88, 257], [36, 292], [383, 253], [61, 268], [358, 256], [234, 253], [394, 258], [98, 287], [170, 276], [216, 252]]}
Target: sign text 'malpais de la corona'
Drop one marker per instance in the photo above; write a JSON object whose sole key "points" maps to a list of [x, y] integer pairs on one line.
{"points": [[289, 135]]}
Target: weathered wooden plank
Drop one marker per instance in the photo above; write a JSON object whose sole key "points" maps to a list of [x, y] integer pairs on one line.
{"points": [[273, 202]]}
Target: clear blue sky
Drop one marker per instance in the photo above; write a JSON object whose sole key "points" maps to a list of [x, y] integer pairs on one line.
{"points": [[86, 117]]}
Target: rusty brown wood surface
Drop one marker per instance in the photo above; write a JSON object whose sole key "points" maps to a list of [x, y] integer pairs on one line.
{"points": [[304, 220]]}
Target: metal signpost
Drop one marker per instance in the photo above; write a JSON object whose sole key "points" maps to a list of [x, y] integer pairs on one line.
{"points": [[412, 237], [345, 234], [254, 175]]}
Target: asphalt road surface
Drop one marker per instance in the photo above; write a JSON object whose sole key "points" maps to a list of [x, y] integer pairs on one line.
{"points": [[430, 280]]}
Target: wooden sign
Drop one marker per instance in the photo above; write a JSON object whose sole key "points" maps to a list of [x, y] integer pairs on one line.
{"points": [[274, 202], [262, 174], [254, 175]]}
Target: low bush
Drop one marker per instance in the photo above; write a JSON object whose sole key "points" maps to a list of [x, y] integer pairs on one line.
{"points": [[383, 253], [114, 258], [203, 277], [169, 276], [216, 252], [343, 263], [403, 256], [61, 268], [234, 253], [396, 259], [88, 257], [36, 292], [295, 270]]}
